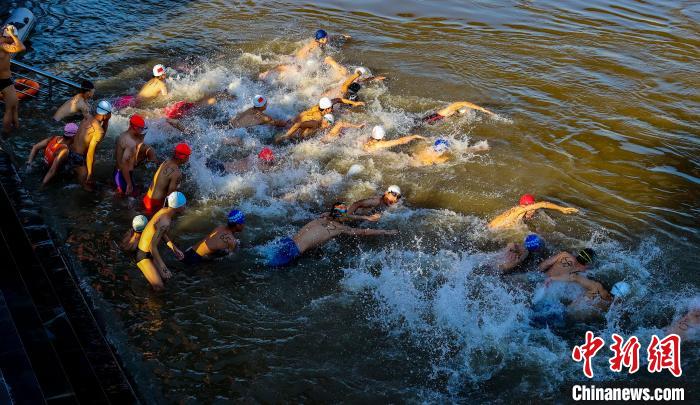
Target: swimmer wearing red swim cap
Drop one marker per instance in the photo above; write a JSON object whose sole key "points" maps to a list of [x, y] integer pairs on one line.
{"points": [[524, 211]]}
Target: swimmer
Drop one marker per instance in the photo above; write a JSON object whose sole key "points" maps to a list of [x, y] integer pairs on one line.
{"points": [[318, 43], [130, 241], [125, 154], [220, 242], [376, 140], [566, 263], [10, 44], [148, 257], [686, 327], [515, 253], [435, 154], [262, 161], [255, 116], [309, 121], [90, 133], [524, 211], [167, 179], [318, 232], [56, 150], [596, 295], [173, 113], [78, 103], [154, 87], [457, 107], [346, 92], [370, 209]]}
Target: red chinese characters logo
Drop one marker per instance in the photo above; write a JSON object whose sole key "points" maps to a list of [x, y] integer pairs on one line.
{"points": [[665, 354], [625, 355], [587, 351]]}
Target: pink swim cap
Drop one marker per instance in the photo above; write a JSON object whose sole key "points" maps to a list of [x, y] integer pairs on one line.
{"points": [[70, 129]]}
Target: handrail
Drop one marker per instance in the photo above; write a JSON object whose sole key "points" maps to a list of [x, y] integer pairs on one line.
{"points": [[40, 72]]}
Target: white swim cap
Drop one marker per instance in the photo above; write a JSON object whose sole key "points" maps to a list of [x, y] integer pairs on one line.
{"points": [[139, 223], [355, 169], [324, 103], [621, 289], [104, 107], [176, 200], [329, 118], [362, 71], [158, 70], [378, 133], [259, 101], [394, 189]]}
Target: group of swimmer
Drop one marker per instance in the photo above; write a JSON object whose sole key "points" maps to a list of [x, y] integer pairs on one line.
{"points": [[74, 151]]}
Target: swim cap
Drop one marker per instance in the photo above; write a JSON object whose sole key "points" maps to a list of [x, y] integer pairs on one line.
{"points": [[621, 289], [527, 199], [139, 223], [394, 189], [70, 129], [259, 101], [354, 87], [355, 169], [441, 145], [236, 217], [320, 34], [266, 155], [325, 103], [86, 85], [104, 107], [329, 118], [176, 200], [585, 256], [378, 133], [339, 209], [533, 242], [182, 151], [158, 70], [137, 121], [362, 71]]}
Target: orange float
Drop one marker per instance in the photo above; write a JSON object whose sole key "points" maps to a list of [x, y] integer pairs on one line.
{"points": [[25, 88]]}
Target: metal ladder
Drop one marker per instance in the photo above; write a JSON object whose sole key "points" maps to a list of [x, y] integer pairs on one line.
{"points": [[46, 86]]}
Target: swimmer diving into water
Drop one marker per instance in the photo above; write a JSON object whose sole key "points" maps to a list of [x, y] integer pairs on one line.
{"points": [[525, 210], [318, 232], [220, 242]]}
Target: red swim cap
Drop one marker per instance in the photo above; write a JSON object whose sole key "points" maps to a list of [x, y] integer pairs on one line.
{"points": [[527, 199], [182, 151], [137, 121], [266, 155]]}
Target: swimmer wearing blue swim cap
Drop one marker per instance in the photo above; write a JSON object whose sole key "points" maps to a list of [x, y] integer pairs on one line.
{"points": [[219, 242], [515, 253], [434, 154]]}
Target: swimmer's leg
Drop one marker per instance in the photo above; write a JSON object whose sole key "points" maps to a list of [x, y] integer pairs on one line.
{"points": [[10, 120], [151, 273]]}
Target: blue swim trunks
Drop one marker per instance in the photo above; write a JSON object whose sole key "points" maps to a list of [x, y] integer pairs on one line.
{"points": [[191, 257], [285, 253]]}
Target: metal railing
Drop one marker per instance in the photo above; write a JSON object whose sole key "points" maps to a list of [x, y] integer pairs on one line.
{"points": [[45, 87]]}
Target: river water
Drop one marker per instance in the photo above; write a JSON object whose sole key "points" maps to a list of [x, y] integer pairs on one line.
{"points": [[597, 106]]}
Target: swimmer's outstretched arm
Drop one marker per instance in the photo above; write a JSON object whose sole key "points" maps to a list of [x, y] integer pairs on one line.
{"points": [[337, 67], [552, 206], [338, 128], [396, 142], [454, 107], [349, 81], [369, 232], [35, 149], [545, 265], [349, 102]]}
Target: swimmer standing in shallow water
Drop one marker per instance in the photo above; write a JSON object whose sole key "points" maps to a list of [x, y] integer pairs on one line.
{"points": [[220, 242], [525, 210], [318, 232], [77, 104], [125, 155], [10, 44], [90, 134], [167, 179]]}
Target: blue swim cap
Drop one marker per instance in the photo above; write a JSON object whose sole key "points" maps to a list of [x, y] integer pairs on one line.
{"points": [[320, 34], [236, 217], [533, 242], [441, 145]]}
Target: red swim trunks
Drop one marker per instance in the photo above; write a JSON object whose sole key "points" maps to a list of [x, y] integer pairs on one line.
{"points": [[125, 101], [152, 205], [177, 110], [432, 118]]}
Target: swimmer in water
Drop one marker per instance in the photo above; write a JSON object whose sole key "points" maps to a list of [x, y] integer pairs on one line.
{"points": [[154, 87], [262, 161], [525, 210], [515, 253], [595, 296], [175, 112], [566, 263], [255, 116], [318, 232], [337, 130], [167, 179], [10, 44], [370, 209], [457, 107], [220, 242], [148, 258], [687, 327], [125, 154], [78, 103], [130, 241], [90, 133], [435, 154], [56, 150], [309, 121], [376, 140], [318, 43]]}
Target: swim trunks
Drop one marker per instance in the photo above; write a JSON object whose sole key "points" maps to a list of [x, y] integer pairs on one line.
{"points": [[432, 118], [124, 101], [5, 83], [152, 205], [192, 257], [178, 110], [141, 256], [287, 251], [76, 160], [120, 181]]}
